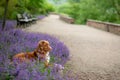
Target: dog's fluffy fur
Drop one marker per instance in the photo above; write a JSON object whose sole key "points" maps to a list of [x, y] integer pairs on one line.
{"points": [[41, 52]]}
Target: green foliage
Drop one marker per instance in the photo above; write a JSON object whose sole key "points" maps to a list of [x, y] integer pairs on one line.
{"points": [[29, 6], [11, 8], [86, 10], [7, 76], [56, 1], [81, 10], [74, 1], [1, 11], [49, 7], [65, 8]]}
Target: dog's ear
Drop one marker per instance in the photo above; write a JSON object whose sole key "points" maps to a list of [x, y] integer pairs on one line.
{"points": [[40, 45], [41, 42]]}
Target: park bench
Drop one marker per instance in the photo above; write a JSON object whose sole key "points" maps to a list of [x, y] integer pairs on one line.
{"points": [[32, 17], [22, 20], [25, 20]]}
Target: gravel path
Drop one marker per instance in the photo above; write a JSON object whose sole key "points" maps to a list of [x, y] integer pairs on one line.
{"points": [[95, 54]]}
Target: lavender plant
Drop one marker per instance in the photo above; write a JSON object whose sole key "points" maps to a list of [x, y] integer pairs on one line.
{"points": [[10, 24], [40, 17], [13, 41]]}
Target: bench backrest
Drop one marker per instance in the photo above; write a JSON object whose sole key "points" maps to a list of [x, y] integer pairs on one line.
{"points": [[19, 16]]}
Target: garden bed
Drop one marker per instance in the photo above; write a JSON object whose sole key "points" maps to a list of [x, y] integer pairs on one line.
{"points": [[13, 41]]}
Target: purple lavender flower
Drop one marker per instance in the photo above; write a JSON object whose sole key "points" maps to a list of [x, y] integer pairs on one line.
{"points": [[41, 17], [10, 24], [58, 67], [13, 41], [23, 75], [57, 71], [1, 25]]}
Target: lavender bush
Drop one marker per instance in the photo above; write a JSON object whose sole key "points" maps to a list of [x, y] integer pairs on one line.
{"points": [[40, 17], [10, 24], [13, 41]]}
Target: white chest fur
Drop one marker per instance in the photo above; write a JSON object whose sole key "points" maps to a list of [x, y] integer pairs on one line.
{"points": [[47, 57]]}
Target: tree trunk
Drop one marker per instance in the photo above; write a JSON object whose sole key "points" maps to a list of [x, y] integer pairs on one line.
{"points": [[5, 13]]}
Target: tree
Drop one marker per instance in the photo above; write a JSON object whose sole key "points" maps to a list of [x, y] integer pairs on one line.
{"points": [[5, 12]]}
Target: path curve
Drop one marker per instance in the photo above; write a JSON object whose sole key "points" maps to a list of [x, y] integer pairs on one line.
{"points": [[95, 53]]}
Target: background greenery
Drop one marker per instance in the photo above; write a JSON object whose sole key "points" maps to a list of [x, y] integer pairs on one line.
{"points": [[81, 10], [30, 6]]}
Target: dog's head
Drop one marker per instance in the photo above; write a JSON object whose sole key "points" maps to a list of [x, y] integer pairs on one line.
{"points": [[43, 47]]}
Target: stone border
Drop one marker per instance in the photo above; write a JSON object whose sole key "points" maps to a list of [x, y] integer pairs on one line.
{"points": [[106, 26], [67, 19], [64, 17]]}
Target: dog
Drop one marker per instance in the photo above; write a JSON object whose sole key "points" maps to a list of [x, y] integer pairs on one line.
{"points": [[41, 53]]}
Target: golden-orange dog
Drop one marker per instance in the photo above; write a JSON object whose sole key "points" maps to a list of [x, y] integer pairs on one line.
{"points": [[41, 52]]}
